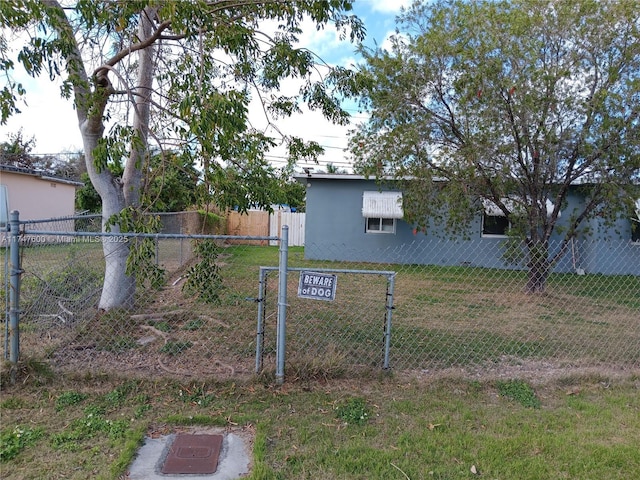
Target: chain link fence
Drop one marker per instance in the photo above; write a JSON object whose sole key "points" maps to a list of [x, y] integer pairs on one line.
{"points": [[468, 317], [443, 316]]}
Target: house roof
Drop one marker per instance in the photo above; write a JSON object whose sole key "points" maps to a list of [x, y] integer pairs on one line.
{"points": [[340, 176], [39, 174], [331, 176], [353, 176]]}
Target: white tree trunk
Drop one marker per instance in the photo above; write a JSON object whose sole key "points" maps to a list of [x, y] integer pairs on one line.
{"points": [[118, 288]]}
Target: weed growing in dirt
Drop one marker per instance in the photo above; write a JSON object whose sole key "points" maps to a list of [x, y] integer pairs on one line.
{"points": [[67, 399], [117, 344], [193, 325], [96, 420], [86, 428], [14, 440], [196, 395], [27, 367], [520, 392], [354, 411], [163, 326], [119, 395], [304, 367], [12, 403]]}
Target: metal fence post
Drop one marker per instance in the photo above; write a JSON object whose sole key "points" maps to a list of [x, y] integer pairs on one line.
{"points": [[14, 292], [387, 329], [282, 304], [262, 293]]}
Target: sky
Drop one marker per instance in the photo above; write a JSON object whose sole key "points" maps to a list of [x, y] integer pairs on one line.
{"points": [[52, 121]]}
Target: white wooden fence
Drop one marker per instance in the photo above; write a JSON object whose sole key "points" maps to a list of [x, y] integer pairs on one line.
{"points": [[294, 220]]}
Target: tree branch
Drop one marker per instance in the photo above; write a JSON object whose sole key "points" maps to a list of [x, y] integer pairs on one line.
{"points": [[155, 36]]}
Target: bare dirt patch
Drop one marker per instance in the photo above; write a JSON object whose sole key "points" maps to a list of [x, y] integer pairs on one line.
{"points": [[174, 335]]}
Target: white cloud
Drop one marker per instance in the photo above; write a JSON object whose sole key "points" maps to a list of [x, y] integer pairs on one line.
{"points": [[47, 117], [387, 6]]}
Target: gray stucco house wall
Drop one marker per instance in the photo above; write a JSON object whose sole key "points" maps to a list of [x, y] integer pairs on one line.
{"points": [[336, 230]]}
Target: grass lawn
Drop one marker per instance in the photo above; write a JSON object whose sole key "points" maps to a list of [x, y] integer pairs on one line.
{"points": [[387, 427], [482, 379]]}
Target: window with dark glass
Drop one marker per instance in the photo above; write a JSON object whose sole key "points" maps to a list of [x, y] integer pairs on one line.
{"points": [[494, 225]]}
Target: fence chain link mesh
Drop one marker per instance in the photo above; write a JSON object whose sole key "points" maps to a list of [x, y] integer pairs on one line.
{"points": [[443, 317]]}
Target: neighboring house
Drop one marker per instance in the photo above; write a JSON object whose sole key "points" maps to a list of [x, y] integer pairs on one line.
{"points": [[36, 195], [349, 217]]}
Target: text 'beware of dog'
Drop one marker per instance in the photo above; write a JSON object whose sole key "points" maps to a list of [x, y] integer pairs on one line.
{"points": [[317, 286]]}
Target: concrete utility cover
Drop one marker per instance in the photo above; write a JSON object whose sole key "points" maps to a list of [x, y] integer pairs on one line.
{"points": [[196, 448], [195, 454]]}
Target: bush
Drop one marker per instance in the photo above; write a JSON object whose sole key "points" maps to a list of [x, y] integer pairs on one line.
{"points": [[203, 278]]}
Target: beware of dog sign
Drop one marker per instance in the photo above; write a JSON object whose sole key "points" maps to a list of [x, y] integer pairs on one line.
{"points": [[317, 286]]}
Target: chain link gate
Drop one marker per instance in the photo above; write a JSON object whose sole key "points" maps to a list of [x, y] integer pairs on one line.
{"points": [[325, 338]]}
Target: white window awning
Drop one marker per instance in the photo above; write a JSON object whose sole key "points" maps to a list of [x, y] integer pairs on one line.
{"points": [[382, 205], [491, 209]]}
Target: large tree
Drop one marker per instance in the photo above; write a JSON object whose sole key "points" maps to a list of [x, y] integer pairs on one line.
{"points": [[508, 104], [174, 75]]}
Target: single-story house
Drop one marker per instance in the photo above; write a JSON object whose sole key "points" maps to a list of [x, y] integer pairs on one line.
{"points": [[353, 218], [37, 195]]}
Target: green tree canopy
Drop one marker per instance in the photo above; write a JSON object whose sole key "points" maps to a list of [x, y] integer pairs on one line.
{"points": [[171, 186], [510, 102], [155, 76]]}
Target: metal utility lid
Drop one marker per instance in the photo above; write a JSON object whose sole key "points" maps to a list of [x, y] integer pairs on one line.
{"points": [[193, 453]]}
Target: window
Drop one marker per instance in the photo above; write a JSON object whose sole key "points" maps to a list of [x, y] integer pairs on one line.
{"points": [[495, 225], [381, 225], [381, 210], [494, 222]]}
